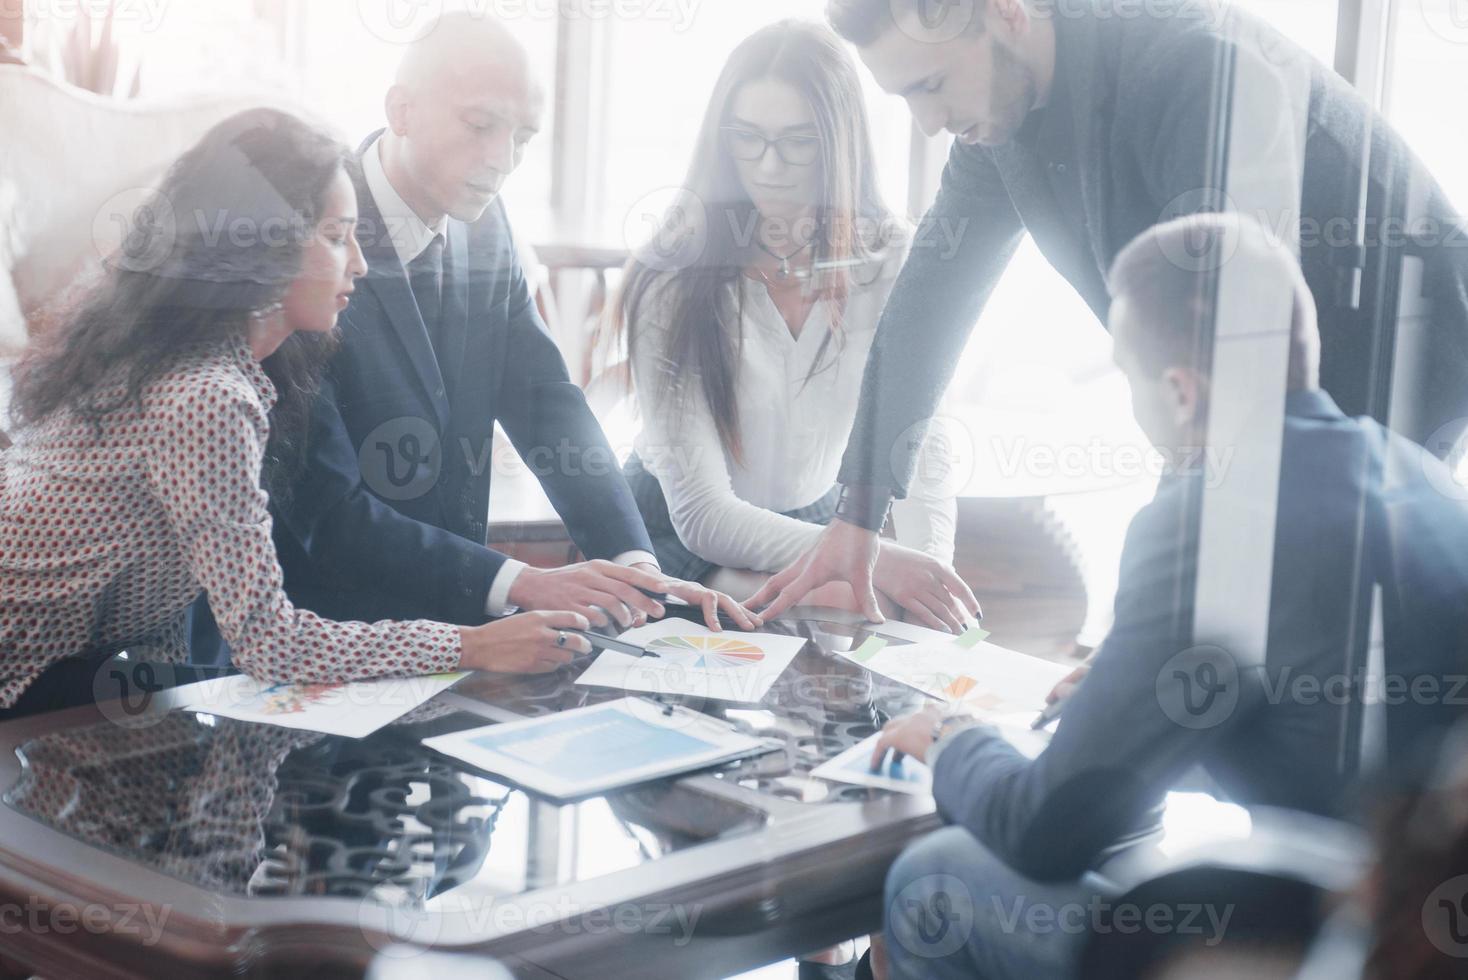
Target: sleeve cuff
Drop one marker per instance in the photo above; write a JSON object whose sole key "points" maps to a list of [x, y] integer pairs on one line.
{"points": [[965, 739], [865, 505], [498, 602], [638, 558], [936, 749]]}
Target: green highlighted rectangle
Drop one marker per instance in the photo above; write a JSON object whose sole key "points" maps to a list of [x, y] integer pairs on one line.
{"points": [[972, 638], [868, 650]]}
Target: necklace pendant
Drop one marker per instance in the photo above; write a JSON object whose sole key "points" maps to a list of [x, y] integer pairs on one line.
{"points": [[784, 272]]}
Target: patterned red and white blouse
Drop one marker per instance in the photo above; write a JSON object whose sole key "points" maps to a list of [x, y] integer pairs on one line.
{"points": [[106, 539]]}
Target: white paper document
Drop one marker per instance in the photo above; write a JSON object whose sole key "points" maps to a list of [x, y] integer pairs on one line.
{"points": [[896, 629], [984, 679], [689, 659], [855, 766], [590, 750], [355, 709]]}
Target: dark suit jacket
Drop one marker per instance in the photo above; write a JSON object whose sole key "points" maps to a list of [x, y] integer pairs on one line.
{"points": [[1267, 734], [388, 520], [1131, 139]]}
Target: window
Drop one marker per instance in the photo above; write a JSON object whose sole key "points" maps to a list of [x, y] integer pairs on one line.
{"points": [[332, 59], [662, 72], [1309, 23], [345, 55], [174, 49], [1428, 62]]}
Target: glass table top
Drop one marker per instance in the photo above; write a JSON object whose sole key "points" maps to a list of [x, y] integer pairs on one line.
{"points": [[253, 810]]}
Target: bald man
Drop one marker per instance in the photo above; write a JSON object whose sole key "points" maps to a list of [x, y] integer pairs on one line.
{"points": [[441, 340]]}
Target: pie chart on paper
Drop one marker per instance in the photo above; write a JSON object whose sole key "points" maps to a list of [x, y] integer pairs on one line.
{"points": [[707, 651]]}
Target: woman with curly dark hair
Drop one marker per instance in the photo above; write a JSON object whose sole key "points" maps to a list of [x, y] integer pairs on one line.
{"points": [[155, 426]]}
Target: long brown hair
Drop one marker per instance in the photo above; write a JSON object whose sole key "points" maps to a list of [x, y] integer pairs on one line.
{"points": [[699, 252], [184, 276]]}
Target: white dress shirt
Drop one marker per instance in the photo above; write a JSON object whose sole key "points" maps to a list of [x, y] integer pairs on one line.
{"points": [[404, 228], [793, 430], [410, 236]]}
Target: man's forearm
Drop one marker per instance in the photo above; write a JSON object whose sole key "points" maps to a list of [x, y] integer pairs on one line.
{"points": [[958, 254]]}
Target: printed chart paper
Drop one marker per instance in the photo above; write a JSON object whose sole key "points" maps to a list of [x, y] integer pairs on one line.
{"points": [[855, 766], [692, 660], [590, 750], [896, 629], [355, 709], [983, 678]]}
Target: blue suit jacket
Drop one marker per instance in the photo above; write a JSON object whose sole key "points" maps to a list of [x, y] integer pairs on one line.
{"points": [[1267, 734], [389, 518]]}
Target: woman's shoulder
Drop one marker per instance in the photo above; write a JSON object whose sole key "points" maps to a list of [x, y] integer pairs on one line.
{"points": [[208, 381]]}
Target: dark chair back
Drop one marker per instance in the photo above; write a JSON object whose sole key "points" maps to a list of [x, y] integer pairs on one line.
{"points": [[1260, 901]]}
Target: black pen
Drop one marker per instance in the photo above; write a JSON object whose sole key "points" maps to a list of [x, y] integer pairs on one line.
{"points": [[1054, 708], [1051, 712], [612, 643], [662, 597]]}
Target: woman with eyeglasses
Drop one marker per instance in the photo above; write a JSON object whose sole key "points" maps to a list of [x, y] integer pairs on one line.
{"points": [[748, 320]]}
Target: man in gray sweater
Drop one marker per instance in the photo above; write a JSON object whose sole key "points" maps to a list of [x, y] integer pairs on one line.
{"points": [[1085, 122]]}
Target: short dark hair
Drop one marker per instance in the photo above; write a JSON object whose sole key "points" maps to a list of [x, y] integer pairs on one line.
{"points": [[864, 21], [1170, 275]]}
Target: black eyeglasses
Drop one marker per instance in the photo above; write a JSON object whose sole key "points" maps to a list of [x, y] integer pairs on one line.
{"points": [[747, 145]]}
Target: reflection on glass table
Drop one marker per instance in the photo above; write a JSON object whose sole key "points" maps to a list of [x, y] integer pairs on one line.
{"points": [[263, 812]]}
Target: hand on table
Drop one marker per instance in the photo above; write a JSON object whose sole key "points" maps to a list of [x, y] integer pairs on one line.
{"points": [[527, 643], [710, 600], [912, 735], [930, 591], [602, 591], [1067, 685], [844, 553], [606, 593], [926, 588]]}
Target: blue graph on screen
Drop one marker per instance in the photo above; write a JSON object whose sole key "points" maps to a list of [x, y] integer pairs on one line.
{"points": [[905, 771], [594, 747]]}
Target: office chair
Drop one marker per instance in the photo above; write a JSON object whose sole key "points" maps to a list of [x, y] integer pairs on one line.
{"points": [[1276, 888]]}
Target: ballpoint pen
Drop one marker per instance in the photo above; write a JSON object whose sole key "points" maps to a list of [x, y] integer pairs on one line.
{"points": [[1051, 712], [1054, 708], [612, 643]]}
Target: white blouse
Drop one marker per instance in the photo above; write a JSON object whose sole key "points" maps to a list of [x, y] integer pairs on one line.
{"points": [[793, 430]]}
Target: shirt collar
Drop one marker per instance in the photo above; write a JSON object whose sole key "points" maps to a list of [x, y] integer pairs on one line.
{"points": [[1315, 404], [244, 356], [407, 232]]}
